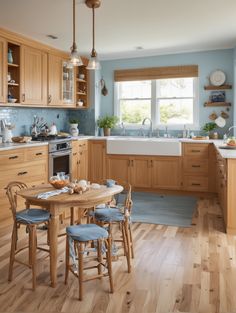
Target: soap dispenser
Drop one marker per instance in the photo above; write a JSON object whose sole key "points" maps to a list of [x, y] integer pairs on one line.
{"points": [[184, 132]]}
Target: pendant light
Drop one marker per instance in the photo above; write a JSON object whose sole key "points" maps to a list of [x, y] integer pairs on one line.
{"points": [[93, 62], [75, 59]]}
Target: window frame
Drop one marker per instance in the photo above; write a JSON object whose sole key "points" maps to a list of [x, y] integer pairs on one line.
{"points": [[155, 107]]}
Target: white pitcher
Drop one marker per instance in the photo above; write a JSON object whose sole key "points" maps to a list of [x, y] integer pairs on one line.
{"points": [[7, 135]]}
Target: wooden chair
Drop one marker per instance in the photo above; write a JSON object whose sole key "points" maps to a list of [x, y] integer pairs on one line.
{"points": [[77, 237], [30, 218], [119, 212]]}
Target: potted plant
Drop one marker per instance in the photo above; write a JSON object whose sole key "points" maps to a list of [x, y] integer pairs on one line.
{"points": [[209, 127], [74, 131], [107, 123]]}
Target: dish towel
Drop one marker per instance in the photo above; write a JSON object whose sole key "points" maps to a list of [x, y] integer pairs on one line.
{"points": [[48, 194]]}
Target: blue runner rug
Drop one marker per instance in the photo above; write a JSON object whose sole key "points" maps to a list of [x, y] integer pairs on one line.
{"points": [[163, 209]]}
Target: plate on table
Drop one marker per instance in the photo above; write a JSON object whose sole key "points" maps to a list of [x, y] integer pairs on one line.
{"points": [[217, 78]]}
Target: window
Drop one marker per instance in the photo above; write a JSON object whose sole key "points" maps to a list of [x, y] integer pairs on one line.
{"points": [[168, 102], [134, 101]]}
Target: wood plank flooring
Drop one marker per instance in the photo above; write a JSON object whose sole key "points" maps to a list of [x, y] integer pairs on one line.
{"points": [[175, 270]]}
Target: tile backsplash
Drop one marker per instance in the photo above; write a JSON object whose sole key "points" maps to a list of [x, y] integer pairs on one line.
{"points": [[23, 118]]}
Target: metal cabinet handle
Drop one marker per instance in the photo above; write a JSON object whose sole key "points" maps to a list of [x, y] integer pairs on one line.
{"points": [[196, 165], [38, 153], [195, 150], [195, 184], [49, 98], [22, 173], [13, 157], [132, 162], [23, 97]]}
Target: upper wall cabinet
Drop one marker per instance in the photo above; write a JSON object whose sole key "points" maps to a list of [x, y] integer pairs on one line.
{"points": [[82, 86], [3, 75], [60, 82], [33, 76]]}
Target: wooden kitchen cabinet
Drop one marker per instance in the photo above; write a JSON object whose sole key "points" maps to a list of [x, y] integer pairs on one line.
{"points": [[97, 160], [61, 81], [146, 172], [166, 173], [55, 67], [29, 165], [33, 76], [222, 184], [3, 74], [196, 167], [141, 174], [118, 167], [80, 160]]}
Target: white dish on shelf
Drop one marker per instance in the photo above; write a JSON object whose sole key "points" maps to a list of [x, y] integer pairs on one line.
{"points": [[217, 78], [12, 100], [220, 121]]}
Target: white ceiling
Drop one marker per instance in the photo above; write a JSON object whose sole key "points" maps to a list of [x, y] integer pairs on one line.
{"points": [[159, 26]]}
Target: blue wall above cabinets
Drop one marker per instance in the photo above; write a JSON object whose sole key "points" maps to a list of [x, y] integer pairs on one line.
{"points": [[207, 61]]}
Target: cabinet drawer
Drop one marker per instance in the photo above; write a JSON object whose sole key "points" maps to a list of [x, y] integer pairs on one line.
{"points": [[195, 166], [196, 183], [36, 153], [24, 172], [192, 149], [11, 157]]}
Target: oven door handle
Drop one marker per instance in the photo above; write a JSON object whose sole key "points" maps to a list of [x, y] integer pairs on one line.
{"points": [[60, 154]]}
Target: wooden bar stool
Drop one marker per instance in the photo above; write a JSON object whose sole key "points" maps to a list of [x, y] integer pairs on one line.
{"points": [[120, 214], [80, 235], [30, 218]]}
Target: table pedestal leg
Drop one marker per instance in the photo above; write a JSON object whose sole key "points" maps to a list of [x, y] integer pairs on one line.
{"points": [[53, 231]]}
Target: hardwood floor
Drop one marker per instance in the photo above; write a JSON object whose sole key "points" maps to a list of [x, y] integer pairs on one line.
{"points": [[174, 270]]}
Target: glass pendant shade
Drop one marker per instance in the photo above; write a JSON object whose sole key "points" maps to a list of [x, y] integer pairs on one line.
{"points": [[75, 59], [94, 63]]}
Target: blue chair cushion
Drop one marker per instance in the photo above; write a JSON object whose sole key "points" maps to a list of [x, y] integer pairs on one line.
{"points": [[32, 216], [109, 215], [86, 232]]}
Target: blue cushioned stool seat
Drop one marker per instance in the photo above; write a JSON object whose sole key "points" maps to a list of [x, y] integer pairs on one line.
{"points": [[109, 215], [86, 232], [32, 216]]}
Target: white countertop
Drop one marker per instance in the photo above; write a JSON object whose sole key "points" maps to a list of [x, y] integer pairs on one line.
{"points": [[13, 145], [225, 153]]}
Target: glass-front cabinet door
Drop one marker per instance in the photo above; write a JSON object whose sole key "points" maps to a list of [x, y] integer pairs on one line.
{"points": [[68, 84]]}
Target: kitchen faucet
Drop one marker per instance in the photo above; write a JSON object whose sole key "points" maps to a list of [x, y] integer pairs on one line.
{"points": [[123, 128], [150, 129], [228, 131]]}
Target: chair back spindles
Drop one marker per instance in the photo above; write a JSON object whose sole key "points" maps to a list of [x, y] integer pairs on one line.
{"points": [[11, 192]]}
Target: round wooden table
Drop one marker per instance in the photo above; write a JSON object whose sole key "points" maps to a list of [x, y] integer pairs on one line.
{"points": [[58, 204]]}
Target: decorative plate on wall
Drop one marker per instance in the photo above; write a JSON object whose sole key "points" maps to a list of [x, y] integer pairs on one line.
{"points": [[217, 78]]}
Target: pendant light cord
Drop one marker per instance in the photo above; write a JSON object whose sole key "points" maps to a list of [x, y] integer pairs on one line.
{"points": [[93, 28], [73, 22]]}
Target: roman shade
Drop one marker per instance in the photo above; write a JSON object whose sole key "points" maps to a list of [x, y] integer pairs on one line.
{"points": [[156, 73]]}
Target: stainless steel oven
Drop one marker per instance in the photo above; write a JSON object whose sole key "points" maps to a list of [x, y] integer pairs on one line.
{"points": [[60, 157]]}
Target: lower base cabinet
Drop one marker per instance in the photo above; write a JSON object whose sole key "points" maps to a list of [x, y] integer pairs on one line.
{"points": [[97, 160], [167, 173], [80, 160], [26, 165], [146, 172]]}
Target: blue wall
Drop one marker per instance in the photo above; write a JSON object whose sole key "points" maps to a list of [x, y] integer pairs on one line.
{"points": [[207, 62]]}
